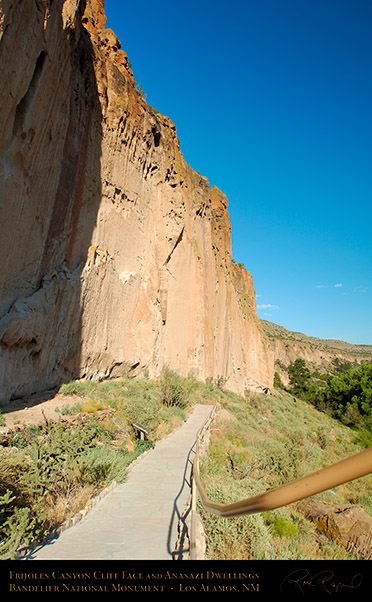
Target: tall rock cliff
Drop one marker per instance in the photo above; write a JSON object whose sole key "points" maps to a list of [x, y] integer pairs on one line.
{"points": [[115, 254]]}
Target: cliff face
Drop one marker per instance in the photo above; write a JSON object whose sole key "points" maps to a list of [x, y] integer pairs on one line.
{"points": [[115, 254]]}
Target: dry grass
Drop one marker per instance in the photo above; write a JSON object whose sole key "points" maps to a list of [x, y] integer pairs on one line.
{"points": [[259, 443]]}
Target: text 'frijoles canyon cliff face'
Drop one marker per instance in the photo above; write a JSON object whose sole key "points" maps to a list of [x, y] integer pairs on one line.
{"points": [[115, 254]]}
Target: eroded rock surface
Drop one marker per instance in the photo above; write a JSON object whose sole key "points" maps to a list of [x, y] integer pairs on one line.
{"points": [[319, 354], [116, 255], [348, 525]]}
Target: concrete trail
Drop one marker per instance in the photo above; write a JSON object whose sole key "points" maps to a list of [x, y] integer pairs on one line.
{"points": [[137, 520]]}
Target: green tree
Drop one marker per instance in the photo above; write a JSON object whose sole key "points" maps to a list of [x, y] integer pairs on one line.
{"points": [[299, 377], [349, 396], [341, 366], [278, 383]]}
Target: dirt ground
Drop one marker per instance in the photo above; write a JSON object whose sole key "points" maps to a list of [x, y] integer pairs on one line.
{"points": [[36, 409]]}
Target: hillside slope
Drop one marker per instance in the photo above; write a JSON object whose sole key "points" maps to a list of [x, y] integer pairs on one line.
{"points": [[263, 442], [258, 443]]}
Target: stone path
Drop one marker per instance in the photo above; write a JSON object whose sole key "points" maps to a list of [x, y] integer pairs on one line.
{"points": [[137, 520]]}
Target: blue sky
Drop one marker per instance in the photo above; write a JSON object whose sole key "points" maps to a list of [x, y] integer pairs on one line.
{"points": [[273, 104]]}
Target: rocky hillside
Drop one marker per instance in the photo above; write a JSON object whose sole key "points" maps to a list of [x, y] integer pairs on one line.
{"points": [[116, 255], [288, 346]]}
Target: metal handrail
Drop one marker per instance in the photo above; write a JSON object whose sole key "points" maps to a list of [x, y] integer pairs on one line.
{"points": [[344, 471]]}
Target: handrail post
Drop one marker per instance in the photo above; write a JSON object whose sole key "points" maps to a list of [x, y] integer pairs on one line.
{"points": [[193, 513], [194, 493]]}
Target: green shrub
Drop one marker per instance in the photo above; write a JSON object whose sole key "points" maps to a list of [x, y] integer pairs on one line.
{"points": [[349, 396], [244, 537], [175, 391], [48, 472], [141, 91], [363, 437], [86, 388], [278, 383], [106, 392], [280, 525], [141, 407], [43, 465], [16, 526], [102, 465]]}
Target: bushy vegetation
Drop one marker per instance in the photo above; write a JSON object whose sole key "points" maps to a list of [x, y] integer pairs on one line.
{"points": [[299, 376], [157, 404], [175, 391], [345, 393], [348, 397], [260, 442], [49, 471]]}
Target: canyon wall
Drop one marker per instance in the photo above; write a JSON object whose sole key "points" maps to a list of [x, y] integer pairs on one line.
{"points": [[319, 354], [116, 255]]}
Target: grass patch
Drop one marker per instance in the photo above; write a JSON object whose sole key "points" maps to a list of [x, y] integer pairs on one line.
{"points": [[260, 442], [49, 472]]}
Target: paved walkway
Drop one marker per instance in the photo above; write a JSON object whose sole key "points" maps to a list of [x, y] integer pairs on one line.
{"points": [[137, 520]]}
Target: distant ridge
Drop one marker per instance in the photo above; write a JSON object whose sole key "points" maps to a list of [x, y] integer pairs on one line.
{"points": [[274, 331]]}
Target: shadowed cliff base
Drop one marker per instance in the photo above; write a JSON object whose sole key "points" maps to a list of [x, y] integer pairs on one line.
{"points": [[50, 191]]}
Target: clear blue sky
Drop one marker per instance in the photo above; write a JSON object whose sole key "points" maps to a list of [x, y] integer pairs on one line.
{"points": [[272, 101]]}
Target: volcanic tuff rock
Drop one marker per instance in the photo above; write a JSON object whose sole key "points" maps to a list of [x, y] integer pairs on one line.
{"points": [[349, 525], [116, 255], [288, 346]]}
